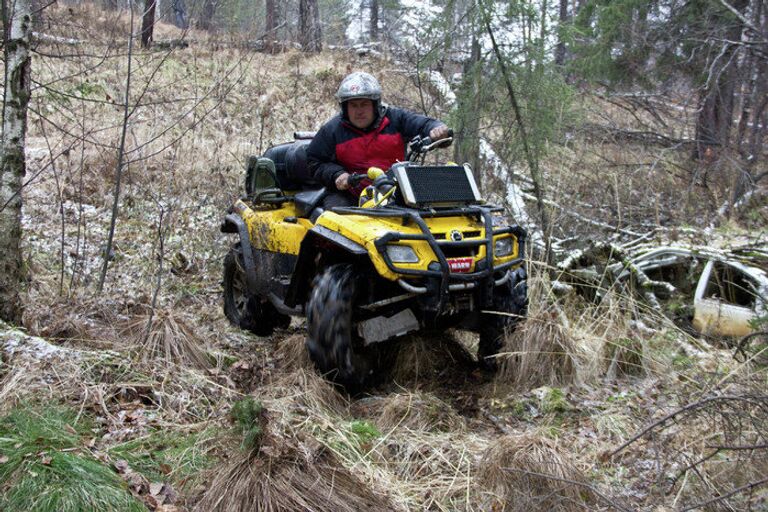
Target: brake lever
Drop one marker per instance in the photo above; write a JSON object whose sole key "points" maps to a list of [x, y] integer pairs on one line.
{"points": [[442, 143]]}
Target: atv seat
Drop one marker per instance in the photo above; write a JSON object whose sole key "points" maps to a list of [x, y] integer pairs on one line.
{"points": [[308, 201], [291, 167]]}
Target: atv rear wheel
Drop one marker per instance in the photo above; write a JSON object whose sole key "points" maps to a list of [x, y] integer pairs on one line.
{"points": [[511, 300], [337, 351], [242, 309]]}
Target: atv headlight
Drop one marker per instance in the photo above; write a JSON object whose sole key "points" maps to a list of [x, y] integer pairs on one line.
{"points": [[502, 247], [401, 254]]}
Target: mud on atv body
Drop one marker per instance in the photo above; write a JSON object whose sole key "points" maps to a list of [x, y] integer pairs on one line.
{"points": [[429, 255]]}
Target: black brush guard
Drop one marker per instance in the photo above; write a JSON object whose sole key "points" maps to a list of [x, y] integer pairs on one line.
{"points": [[447, 281]]}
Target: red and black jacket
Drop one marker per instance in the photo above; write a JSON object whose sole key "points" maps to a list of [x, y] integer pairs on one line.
{"points": [[339, 147]]}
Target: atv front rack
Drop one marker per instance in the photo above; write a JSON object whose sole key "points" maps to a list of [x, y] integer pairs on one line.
{"points": [[448, 281]]}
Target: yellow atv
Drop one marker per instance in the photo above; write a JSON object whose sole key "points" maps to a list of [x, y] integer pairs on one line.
{"points": [[422, 251]]}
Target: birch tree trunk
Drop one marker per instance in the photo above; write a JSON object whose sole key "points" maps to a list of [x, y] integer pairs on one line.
{"points": [[17, 18]]}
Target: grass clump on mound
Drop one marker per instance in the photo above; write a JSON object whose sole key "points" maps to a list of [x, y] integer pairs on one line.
{"points": [[45, 466], [305, 390], [168, 336], [540, 352], [284, 478], [419, 412], [293, 354], [528, 472]]}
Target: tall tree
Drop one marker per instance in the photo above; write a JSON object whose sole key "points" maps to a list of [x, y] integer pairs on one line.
{"points": [[17, 22], [467, 146], [310, 32], [148, 23], [206, 19], [563, 18], [271, 25], [721, 69], [180, 14], [374, 20]]}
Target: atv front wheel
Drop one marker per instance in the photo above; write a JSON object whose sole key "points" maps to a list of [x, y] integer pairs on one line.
{"points": [[511, 301], [243, 309], [337, 351]]}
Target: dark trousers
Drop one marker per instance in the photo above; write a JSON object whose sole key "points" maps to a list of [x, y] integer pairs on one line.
{"points": [[338, 198]]}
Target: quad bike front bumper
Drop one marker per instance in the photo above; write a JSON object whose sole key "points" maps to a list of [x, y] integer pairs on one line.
{"points": [[438, 281]]}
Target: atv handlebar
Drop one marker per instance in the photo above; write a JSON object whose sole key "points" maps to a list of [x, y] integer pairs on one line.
{"points": [[373, 173], [422, 145], [355, 179]]}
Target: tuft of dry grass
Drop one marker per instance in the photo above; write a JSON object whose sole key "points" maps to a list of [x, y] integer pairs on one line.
{"points": [[530, 472], [540, 352], [625, 356], [302, 390], [428, 358], [285, 479], [168, 336], [418, 412], [293, 354]]}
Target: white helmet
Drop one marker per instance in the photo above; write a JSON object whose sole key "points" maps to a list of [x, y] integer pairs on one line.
{"points": [[359, 85]]}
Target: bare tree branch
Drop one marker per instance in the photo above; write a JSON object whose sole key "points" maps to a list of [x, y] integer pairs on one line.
{"points": [[748, 487]]}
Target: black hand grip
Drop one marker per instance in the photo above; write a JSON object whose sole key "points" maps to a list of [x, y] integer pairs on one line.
{"points": [[444, 143], [355, 179]]}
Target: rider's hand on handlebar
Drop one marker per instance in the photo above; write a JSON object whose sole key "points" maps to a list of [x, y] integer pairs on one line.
{"points": [[342, 182], [440, 132]]}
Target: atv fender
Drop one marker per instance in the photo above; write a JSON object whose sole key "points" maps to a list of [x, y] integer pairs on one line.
{"points": [[235, 224], [319, 240]]}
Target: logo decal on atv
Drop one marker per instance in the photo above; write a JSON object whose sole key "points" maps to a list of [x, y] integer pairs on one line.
{"points": [[456, 236], [460, 265]]}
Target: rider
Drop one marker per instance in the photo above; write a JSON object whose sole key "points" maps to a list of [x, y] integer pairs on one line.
{"points": [[366, 133]]}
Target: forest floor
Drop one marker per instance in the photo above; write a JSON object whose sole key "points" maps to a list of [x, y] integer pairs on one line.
{"points": [[143, 396]]}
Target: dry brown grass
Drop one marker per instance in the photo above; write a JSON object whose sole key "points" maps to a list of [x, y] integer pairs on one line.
{"points": [[283, 479], [531, 472], [304, 390], [80, 319], [293, 354], [426, 358], [167, 336], [418, 412], [541, 351]]}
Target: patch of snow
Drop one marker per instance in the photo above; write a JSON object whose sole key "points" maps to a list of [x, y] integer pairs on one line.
{"points": [[16, 343]]}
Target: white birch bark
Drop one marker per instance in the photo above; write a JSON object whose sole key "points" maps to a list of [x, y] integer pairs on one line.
{"points": [[12, 168]]}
